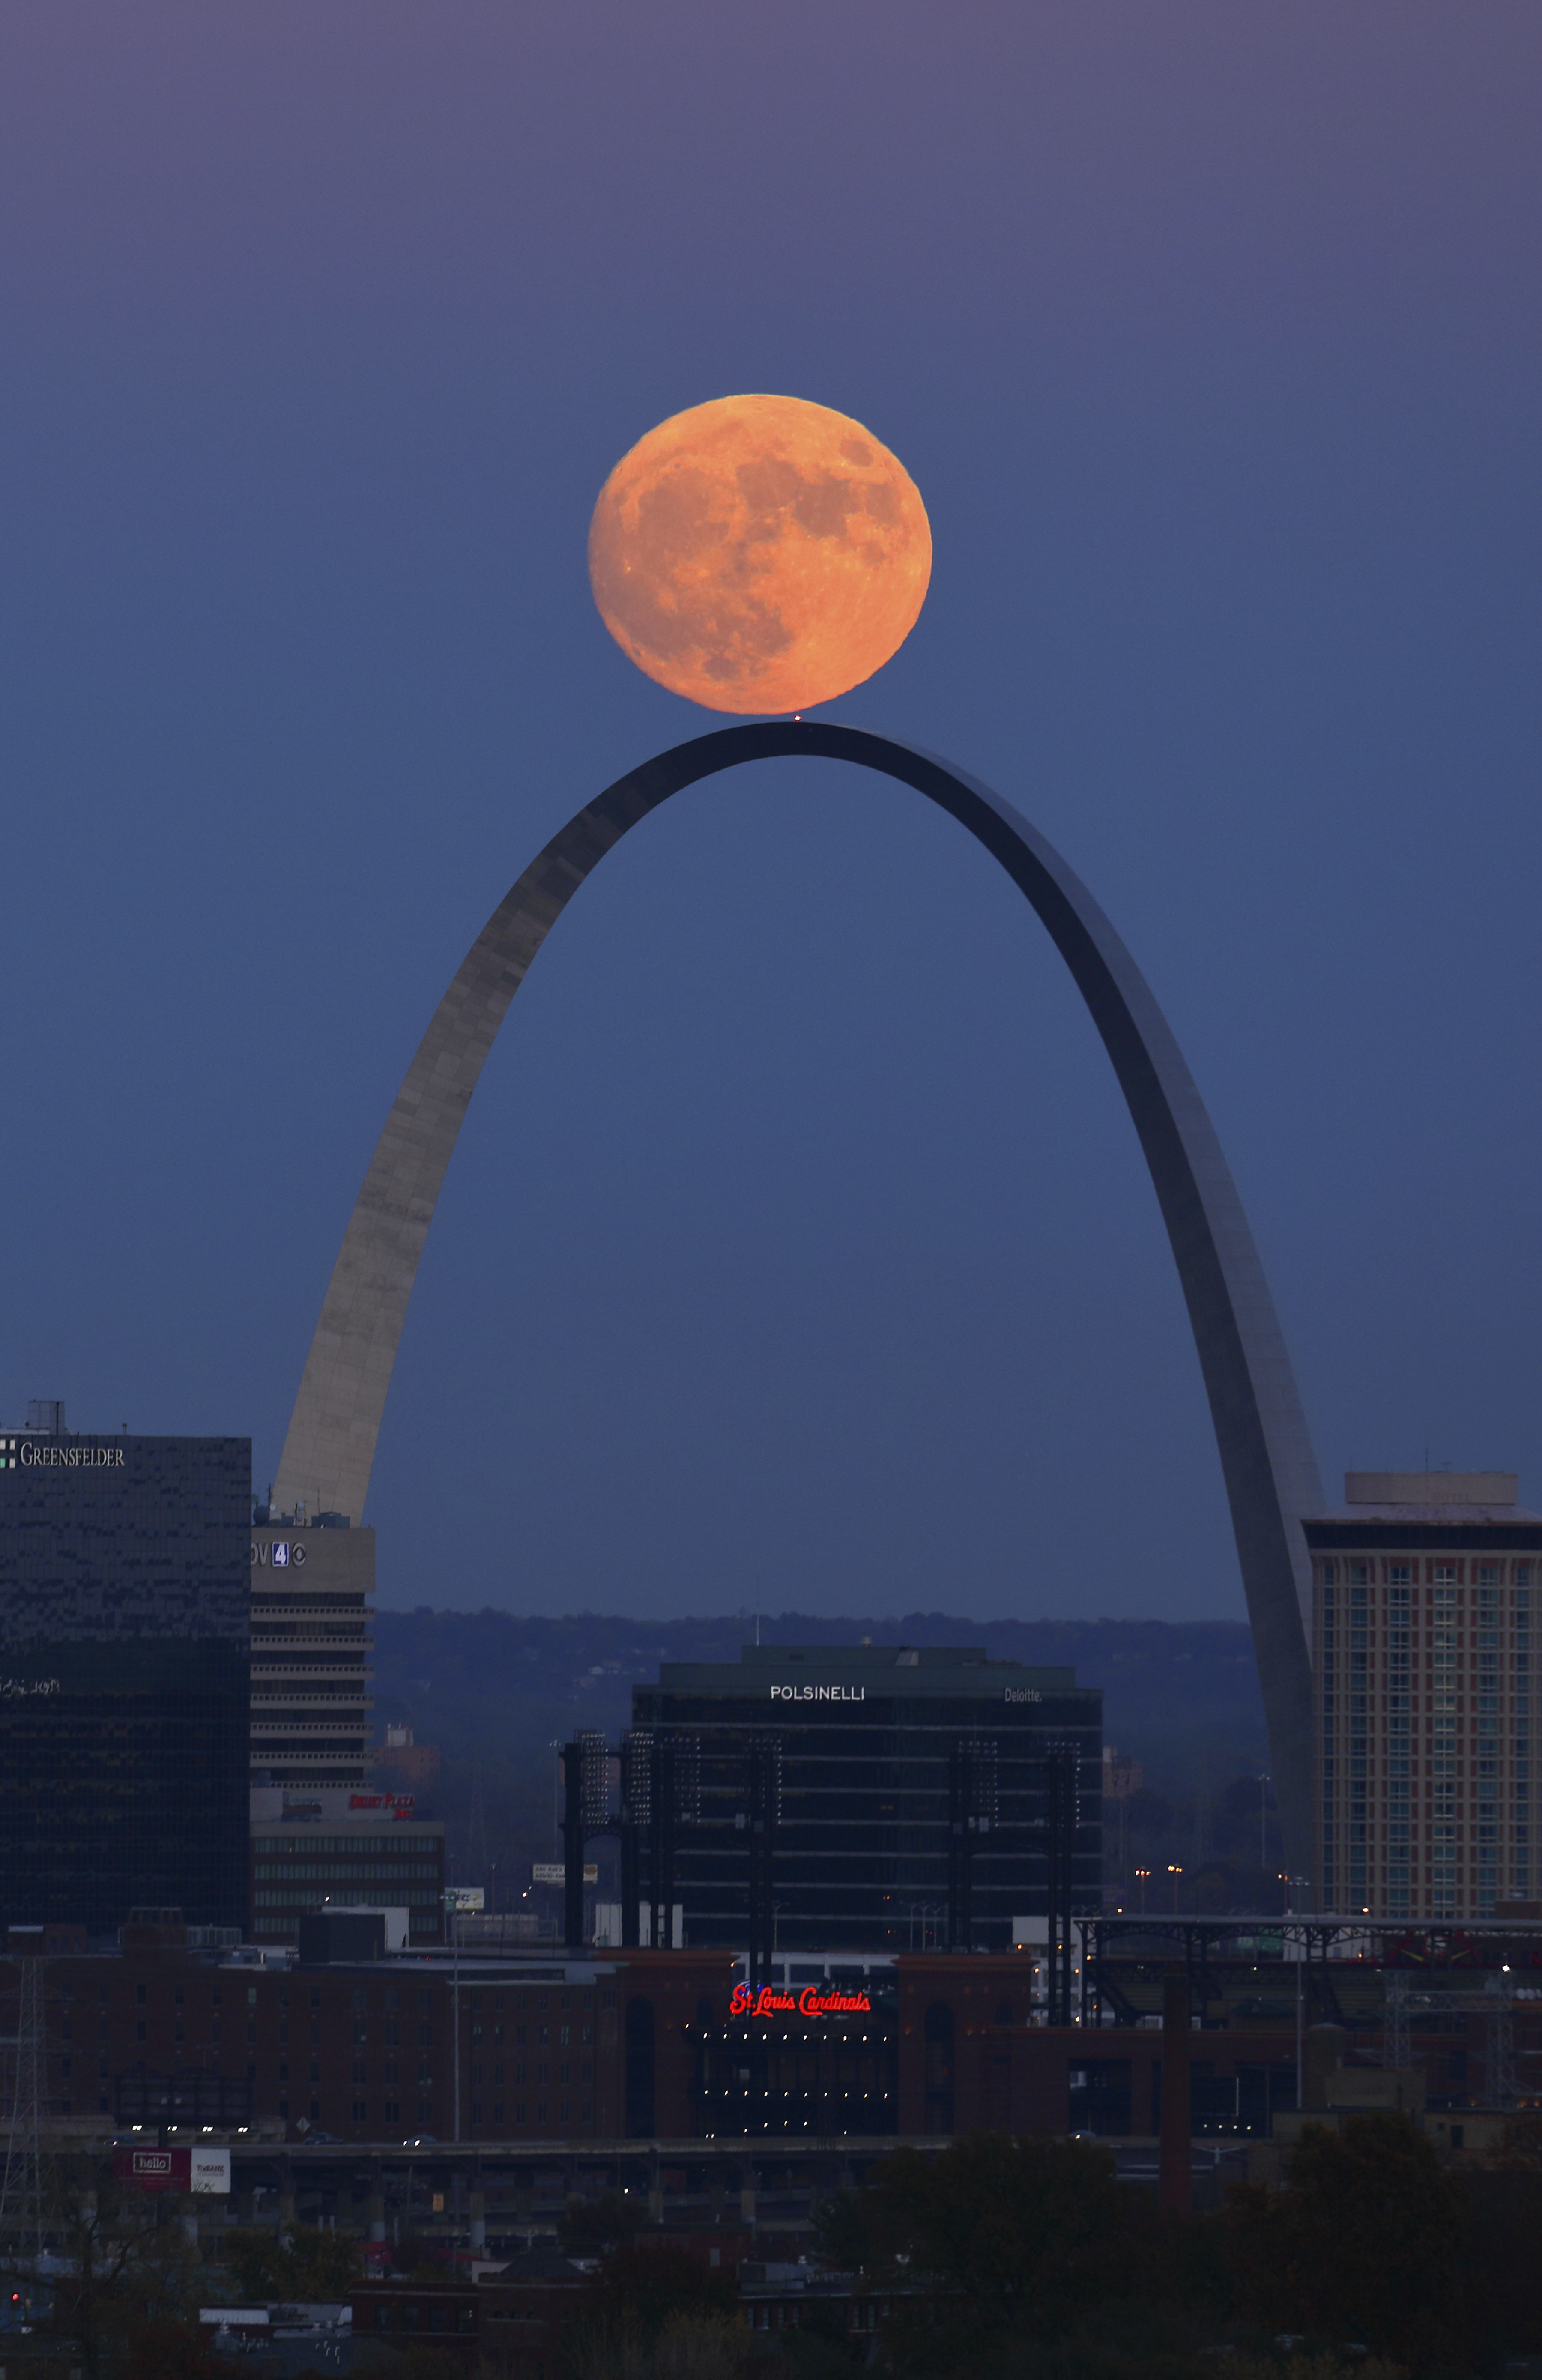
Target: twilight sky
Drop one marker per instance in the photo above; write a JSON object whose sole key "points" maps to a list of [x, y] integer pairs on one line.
{"points": [[798, 1250]]}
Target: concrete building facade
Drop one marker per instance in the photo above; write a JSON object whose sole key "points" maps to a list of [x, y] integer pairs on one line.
{"points": [[1424, 1586], [348, 1859], [313, 1609]]}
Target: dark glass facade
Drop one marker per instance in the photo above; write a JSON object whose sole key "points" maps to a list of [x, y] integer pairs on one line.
{"points": [[868, 1740], [124, 1697]]}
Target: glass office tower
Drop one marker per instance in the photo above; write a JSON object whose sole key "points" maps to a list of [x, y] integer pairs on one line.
{"points": [[124, 1691], [866, 1784]]}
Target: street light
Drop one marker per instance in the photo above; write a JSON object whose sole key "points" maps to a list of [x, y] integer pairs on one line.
{"points": [[1263, 1824], [1176, 1874], [1141, 1875]]}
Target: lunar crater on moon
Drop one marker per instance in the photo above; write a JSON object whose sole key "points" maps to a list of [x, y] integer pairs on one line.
{"points": [[760, 553]]}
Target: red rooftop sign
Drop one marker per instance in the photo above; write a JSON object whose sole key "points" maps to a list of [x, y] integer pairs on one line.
{"points": [[813, 2000]]}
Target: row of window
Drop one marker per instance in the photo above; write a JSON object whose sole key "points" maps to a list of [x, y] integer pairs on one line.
{"points": [[1484, 1682], [1448, 1862], [1440, 1841], [1443, 1643], [1487, 1577], [412, 1895], [373, 1871], [337, 1632], [271, 1846], [303, 1693], [424, 1926]]}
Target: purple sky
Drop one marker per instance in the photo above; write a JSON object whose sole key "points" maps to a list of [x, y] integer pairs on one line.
{"points": [[797, 1251]]}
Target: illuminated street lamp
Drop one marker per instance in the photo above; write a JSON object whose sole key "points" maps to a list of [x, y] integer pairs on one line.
{"points": [[1176, 1874]]}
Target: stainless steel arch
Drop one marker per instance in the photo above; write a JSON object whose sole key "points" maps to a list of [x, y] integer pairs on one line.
{"points": [[1271, 1473]]}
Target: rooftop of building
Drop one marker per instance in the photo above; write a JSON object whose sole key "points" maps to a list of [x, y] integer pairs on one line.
{"points": [[1430, 1498], [903, 1668]]}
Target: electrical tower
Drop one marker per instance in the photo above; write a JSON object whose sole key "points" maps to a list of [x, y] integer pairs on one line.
{"points": [[21, 2190]]}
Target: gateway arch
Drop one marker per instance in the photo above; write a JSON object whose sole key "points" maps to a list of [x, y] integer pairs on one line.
{"points": [[1265, 1455]]}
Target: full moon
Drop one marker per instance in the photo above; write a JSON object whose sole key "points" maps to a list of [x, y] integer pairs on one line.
{"points": [[760, 553]]}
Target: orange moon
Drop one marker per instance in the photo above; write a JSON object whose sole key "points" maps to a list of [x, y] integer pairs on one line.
{"points": [[760, 553]]}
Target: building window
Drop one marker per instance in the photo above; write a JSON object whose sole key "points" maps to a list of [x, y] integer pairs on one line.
{"points": [[359, 2111], [393, 2111]]}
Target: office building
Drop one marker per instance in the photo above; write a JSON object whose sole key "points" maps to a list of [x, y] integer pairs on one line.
{"points": [[401, 1764], [1423, 1588], [352, 1853], [893, 1795], [322, 1828], [312, 1597], [123, 1698]]}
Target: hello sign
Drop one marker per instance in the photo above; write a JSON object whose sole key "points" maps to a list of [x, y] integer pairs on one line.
{"points": [[813, 2000]]}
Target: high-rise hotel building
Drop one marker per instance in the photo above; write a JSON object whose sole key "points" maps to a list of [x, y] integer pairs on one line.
{"points": [[1423, 1588]]}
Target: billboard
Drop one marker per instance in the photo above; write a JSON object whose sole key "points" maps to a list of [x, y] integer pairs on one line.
{"points": [[199, 2171]]}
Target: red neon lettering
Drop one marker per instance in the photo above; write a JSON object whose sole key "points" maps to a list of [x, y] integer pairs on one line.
{"points": [[810, 2001]]}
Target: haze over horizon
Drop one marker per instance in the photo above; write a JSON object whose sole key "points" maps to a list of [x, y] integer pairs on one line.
{"points": [[798, 1248]]}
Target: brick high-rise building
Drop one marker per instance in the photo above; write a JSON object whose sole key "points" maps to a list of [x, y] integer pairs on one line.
{"points": [[1423, 1589]]}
